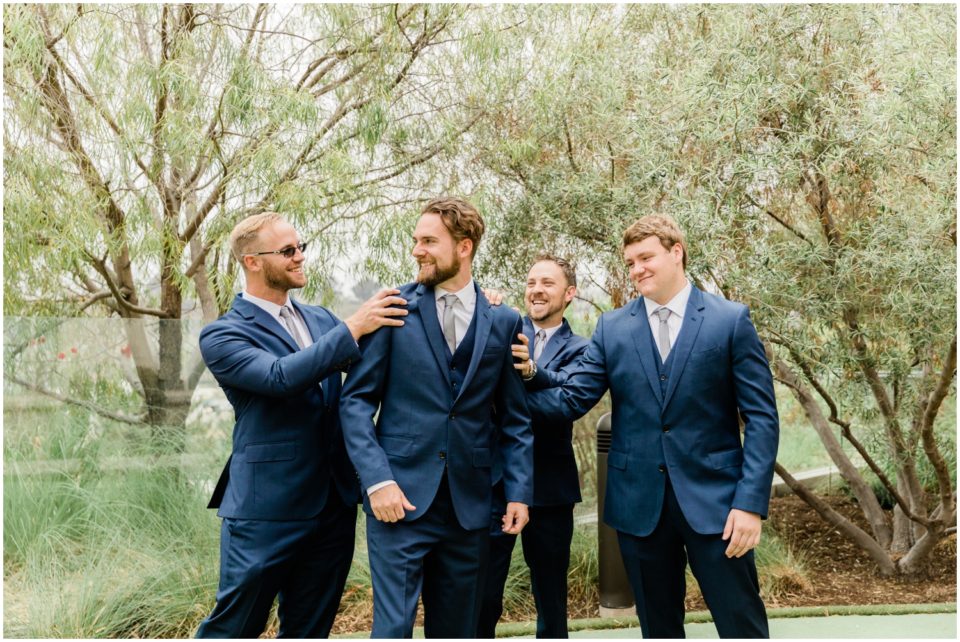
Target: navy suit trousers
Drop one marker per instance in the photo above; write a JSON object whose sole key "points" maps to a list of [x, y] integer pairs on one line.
{"points": [[656, 567], [546, 550], [304, 562], [432, 555]]}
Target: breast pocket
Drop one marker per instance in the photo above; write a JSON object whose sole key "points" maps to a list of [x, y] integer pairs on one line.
{"points": [[273, 451]]}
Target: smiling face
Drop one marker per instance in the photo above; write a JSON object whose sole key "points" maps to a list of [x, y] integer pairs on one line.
{"points": [[547, 294], [274, 272], [656, 271], [441, 258]]}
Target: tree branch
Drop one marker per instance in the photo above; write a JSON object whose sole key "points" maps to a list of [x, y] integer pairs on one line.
{"points": [[127, 419], [844, 525]]}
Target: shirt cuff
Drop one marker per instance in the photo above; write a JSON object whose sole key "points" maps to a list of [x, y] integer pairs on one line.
{"points": [[379, 485]]}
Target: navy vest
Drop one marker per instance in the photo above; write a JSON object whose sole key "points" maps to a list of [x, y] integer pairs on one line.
{"points": [[459, 361]]}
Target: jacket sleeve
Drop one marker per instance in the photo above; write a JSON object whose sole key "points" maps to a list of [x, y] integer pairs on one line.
{"points": [[359, 401], [237, 361], [581, 385], [516, 433], [757, 403]]}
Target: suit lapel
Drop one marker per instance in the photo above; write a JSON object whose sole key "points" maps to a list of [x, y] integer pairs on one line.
{"points": [[318, 326], [528, 333], [692, 320], [263, 319], [426, 307], [554, 344], [484, 319], [641, 339]]}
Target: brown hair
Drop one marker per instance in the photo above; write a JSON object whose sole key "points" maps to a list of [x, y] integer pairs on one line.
{"points": [[246, 232], [661, 226], [461, 219], [569, 270]]}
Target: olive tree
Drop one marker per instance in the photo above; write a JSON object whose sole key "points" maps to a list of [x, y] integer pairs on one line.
{"points": [[136, 136], [810, 154]]}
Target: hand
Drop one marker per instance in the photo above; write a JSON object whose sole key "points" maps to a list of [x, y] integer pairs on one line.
{"points": [[495, 297], [516, 518], [375, 312], [743, 531], [389, 502], [522, 351]]}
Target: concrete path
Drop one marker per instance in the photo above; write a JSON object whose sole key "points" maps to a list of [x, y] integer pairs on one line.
{"points": [[916, 626]]}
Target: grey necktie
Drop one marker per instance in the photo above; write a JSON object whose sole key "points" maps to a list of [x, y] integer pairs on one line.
{"points": [[286, 315], [449, 327], [663, 333], [538, 341]]}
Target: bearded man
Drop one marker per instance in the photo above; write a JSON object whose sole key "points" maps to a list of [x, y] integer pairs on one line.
{"points": [[449, 398]]}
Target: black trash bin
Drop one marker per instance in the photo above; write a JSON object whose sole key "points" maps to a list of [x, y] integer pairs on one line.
{"points": [[615, 592]]}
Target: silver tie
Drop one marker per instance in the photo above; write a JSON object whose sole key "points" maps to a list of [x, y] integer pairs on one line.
{"points": [[449, 327], [287, 317], [663, 333], [538, 342]]}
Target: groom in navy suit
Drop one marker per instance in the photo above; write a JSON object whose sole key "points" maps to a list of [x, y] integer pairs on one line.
{"points": [[684, 368], [449, 398], [288, 494], [551, 286]]}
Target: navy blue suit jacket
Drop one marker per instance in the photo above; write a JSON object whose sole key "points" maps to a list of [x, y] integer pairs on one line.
{"points": [[287, 439], [555, 478], [719, 374], [404, 372]]}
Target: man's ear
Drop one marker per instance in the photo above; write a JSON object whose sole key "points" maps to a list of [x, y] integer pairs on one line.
{"points": [[570, 293], [465, 248]]}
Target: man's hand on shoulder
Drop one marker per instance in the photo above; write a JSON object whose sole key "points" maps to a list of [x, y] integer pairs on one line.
{"points": [[743, 532], [389, 503], [375, 312], [516, 518]]}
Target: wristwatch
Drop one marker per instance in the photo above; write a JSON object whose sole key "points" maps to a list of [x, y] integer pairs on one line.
{"points": [[533, 371]]}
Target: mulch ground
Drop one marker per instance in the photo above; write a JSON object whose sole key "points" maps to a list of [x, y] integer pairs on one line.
{"points": [[838, 572]]}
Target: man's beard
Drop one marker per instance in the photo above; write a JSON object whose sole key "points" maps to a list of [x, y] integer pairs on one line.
{"points": [[439, 273], [548, 310], [278, 279]]}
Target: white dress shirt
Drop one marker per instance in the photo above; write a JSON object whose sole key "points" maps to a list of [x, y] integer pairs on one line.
{"points": [[273, 310], [677, 306], [463, 313]]}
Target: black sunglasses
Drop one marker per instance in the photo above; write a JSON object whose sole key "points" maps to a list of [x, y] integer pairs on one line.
{"points": [[287, 252]]}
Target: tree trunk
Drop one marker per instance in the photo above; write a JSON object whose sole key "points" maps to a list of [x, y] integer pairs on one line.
{"points": [[865, 496]]}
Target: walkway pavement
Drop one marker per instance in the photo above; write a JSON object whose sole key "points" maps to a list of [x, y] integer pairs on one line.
{"points": [[916, 626]]}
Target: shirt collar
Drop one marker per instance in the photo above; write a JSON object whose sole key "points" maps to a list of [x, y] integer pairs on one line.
{"points": [[548, 332], [677, 305], [467, 295], [268, 306]]}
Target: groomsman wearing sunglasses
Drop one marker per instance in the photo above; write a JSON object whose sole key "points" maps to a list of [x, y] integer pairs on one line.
{"points": [[288, 495]]}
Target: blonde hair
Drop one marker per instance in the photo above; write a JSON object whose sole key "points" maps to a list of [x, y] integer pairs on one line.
{"points": [[248, 230], [661, 226]]}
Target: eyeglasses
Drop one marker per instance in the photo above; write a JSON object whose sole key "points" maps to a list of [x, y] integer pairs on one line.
{"points": [[287, 252]]}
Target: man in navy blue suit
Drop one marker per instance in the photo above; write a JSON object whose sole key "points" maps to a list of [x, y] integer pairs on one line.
{"points": [[448, 399], [287, 495], [551, 286], [684, 368]]}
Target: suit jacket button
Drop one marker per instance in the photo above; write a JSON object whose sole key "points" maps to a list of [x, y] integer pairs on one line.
{"points": [[443, 454], [662, 468], [663, 377], [453, 416], [666, 429]]}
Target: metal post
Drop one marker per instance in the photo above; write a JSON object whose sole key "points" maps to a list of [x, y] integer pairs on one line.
{"points": [[615, 592]]}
